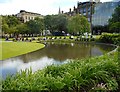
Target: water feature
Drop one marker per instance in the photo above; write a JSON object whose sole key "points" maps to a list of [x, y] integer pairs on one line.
{"points": [[52, 54]]}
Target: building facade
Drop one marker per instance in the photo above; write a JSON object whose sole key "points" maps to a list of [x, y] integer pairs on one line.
{"points": [[102, 13], [25, 16], [83, 8], [96, 12]]}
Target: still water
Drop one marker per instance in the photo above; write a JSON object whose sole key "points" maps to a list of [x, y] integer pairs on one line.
{"points": [[52, 54]]}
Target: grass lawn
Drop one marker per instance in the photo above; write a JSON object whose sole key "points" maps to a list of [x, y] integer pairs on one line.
{"points": [[12, 49]]}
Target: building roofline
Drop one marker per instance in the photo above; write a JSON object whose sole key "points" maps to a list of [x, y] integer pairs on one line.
{"points": [[21, 11]]}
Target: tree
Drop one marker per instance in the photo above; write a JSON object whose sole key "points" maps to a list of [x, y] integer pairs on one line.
{"points": [[9, 24], [35, 26], [12, 20], [22, 28], [48, 19], [39, 24], [56, 23], [61, 22], [115, 16], [115, 27], [79, 24], [5, 27], [114, 22], [50, 22]]}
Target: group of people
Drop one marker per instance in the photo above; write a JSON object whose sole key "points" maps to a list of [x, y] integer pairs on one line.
{"points": [[20, 39]]}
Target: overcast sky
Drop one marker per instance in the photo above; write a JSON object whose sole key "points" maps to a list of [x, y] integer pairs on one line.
{"points": [[43, 7]]}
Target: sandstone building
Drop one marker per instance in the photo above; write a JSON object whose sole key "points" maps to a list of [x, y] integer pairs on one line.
{"points": [[25, 16]]}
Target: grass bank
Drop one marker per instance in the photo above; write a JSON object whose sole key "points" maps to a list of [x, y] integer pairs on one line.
{"points": [[12, 49], [99, 74]]}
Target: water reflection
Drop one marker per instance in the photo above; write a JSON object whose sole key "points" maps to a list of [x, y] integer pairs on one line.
{"points": [[51, 54]]}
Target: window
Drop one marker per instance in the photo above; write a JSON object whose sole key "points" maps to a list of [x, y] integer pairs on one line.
{"points": [[89, 19], [26, 17], [84, 13], [89, 9], [84, 10], [88, 13]]}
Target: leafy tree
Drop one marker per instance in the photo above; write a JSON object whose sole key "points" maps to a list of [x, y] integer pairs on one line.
{"points": [[62, 21], [9, 24], [56, 22], [79, 24], [114, 22], [5, 28], [115, 27], [39, 24], [12, 20], [22, 28], [48, 22], [35, 26], [115, 16]]}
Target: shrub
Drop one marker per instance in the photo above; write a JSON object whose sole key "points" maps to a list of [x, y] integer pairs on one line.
{"points": [[110, 38]]}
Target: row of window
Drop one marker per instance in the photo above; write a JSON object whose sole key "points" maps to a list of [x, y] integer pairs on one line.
{"points": [[29, 18], [83, 10], [85, 13]]}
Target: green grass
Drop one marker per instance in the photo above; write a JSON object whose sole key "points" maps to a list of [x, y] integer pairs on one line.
{"points": [[12, 49], [97, 74]]}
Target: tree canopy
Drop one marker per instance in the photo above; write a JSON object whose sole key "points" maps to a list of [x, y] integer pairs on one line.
{"points": [[35, 26], [56, 22], [114, 22], [78, 23], [9, 23], [12, 25], [115, 16], [115, 27]]}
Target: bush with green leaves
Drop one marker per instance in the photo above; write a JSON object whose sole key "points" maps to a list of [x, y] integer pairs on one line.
{"points": [[110, 38], [86, 75]]}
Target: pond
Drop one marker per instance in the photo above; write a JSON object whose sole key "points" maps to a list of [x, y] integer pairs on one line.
{"points": [[52, 54]]}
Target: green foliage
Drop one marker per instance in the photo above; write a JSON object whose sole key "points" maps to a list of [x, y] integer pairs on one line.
{"points": [[11, 20], [5, 28], [61, 22], [114, 22], [12, 25], [48, 22], [86, 75], [110, 38], [79, 24], [115, 27], [56, 22], [22, 28], [35, 26], [115, 16], [9, 24]]}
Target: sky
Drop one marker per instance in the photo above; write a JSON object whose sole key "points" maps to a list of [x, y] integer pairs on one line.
{"points": [[43, 7]]}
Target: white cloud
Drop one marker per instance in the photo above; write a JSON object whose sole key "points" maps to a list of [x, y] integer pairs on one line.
{"points": [[43, 7], [37, 6]]}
